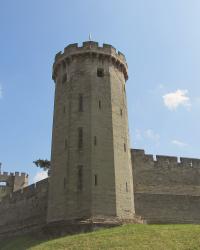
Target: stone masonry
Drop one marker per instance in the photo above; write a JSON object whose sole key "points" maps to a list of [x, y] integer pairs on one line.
{"points": [[91, 163], [96, 179], [12, 182], [166, 189]]}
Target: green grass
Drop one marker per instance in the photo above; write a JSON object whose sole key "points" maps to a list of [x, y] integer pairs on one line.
{"points": [[138, 237]]}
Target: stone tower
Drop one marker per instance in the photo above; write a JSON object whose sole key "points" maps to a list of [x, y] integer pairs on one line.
{"points": [[91, 175], [12, 182]]}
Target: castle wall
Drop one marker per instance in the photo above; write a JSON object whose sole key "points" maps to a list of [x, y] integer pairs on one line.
{"points": [[24, 210], [166, 189], [167, 208]]}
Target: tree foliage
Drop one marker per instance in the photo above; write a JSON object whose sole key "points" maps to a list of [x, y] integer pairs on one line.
{"points": [[44, 164]]}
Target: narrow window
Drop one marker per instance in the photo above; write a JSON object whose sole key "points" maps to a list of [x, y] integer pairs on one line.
{"points": [[80, 103], [95, 140], [80, 178], [124, 147], [64, 109], [64, 79], [95, 180], [64, 183], [65, 143], [100, 72], [99, 104], [80, 138], [121, 112], [126, 187]]}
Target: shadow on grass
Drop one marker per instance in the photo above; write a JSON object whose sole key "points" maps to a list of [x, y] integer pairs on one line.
{"points": [[25, 242]]}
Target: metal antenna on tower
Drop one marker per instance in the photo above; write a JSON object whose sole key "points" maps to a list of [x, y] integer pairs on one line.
{"points": [[90, 37]]}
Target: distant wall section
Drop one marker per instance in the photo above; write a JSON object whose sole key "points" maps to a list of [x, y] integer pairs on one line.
{"points": [[24, 210], [166, 189], [11, 182]]}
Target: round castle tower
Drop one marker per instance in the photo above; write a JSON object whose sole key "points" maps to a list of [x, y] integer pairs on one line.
{"points": [[91, 175]]}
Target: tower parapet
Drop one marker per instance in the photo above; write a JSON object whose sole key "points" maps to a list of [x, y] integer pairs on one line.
{"points": [[92, 49]]}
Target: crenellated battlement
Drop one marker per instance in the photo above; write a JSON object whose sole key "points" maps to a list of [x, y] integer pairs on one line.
{"points": [[11, 174], [165, 161], [94, 50]]}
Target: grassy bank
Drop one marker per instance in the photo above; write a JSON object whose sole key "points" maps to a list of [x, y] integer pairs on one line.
{"points": [[138, 237]]}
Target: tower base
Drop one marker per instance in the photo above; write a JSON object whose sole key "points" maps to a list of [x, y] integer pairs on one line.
{"points": [[69, 227]]}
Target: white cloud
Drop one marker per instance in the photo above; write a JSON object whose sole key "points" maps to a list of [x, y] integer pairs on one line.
{"points": [[179, 143], [40, 176], [175, 99], [149, 133]]}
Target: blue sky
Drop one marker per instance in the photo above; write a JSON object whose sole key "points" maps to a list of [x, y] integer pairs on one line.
{"points": [[161, 41]]}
